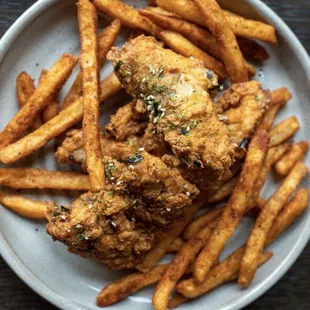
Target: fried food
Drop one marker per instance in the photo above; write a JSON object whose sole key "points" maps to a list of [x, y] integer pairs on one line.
{"points": [[142, 197], [285, 164], [241, 27], [56, 126], [279, 98], [129, 285], [224, 191], [88, 21], [242, 106], [252, 50], [200, 222], [128, 15], [126, 122], [283, 131], [173, 89], [235, 208], [53, 108], [24, 206], [24, 118], [40, 178], [184, 47], [264, 222], [222, 31], [105, 42], [24, 90], [176, 245]]}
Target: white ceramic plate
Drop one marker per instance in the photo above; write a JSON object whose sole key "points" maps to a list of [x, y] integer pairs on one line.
{"points": [[48, 29]]}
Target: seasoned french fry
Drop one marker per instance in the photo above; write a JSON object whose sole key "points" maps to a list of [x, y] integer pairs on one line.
{"points": [[283, 131], [199, 36], [258, 236], [279, 97], [24, 118], [176, 245], [240, 26], [40, 178], [288, 215], [235, 208], [158, 10], [161, 248], [252, 50], [128, 15], [285, 164], [129, 285], [179, 265], [273, 155], [87, 17], [251, 28], [176, 300], [24, 206], [202, 221], [24, 90], [181, 45], [222, 273], [105, 42], [230, 51], [224, 191], [53, 108], [56, 126]]}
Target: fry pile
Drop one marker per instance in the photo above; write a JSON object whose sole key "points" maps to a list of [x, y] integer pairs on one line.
{"points": [[223, 41]]}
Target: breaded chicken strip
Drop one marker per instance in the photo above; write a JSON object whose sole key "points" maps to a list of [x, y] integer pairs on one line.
{"points": [[118, 224], [242, 106], [173, 89]]}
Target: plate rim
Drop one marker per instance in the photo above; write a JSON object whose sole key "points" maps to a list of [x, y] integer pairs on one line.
{"points": [[60, 301]]}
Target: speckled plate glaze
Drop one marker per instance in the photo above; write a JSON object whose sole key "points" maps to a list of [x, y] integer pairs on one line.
{"points": [[48, 29]]}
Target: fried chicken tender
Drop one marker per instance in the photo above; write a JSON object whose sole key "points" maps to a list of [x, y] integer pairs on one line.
{"points": [[242, 106], [173, 89], [141, 198], [126, 122]]}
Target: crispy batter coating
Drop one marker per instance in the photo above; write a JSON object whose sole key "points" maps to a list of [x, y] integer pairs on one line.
{"points": [[174, 91], [116, 225], [126, 122], [242, 106]]}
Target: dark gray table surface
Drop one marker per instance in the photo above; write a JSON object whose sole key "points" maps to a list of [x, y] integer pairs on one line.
{"points": [[291, 292]]}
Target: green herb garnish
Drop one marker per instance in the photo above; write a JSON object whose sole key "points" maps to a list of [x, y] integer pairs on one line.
{"points": [[118, 65]]}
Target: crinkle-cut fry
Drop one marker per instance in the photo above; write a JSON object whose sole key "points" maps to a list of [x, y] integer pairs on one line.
{"points": [[128, 15], [128, 285], [251, 28], [273, 155], [285, 164], [24, 206], [105, 42], [160, 249], [56, 126], [53, 108], [24, 90], [252, 50], [268, 214], [236, 206], [201, 221], [224, 191], [224, 272], [288, 215], [283, 131], [279, 98], [240, 26], [230, 51], [176, 245], [24, 118], [179, 265], [40, 178], [88, 20], [183, 46], [202, 38]]}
